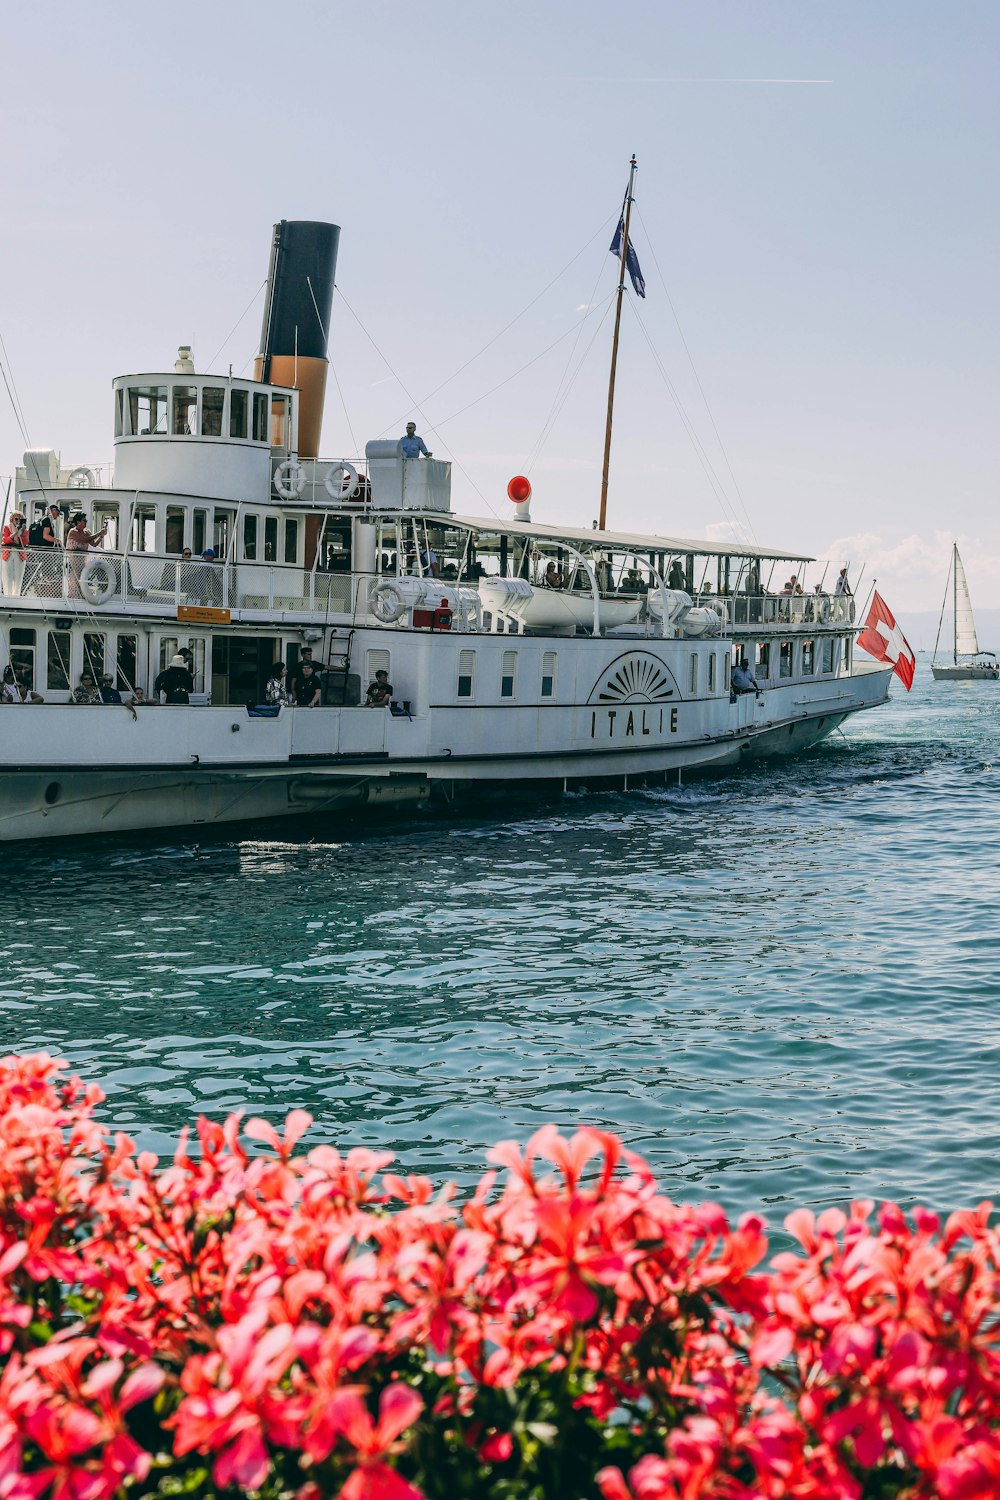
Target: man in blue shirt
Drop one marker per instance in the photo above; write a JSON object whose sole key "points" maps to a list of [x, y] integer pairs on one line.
{"points": [[412, 445], [742, 680]]}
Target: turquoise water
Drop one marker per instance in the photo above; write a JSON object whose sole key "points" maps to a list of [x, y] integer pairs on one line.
{"points": [[781, 985]]}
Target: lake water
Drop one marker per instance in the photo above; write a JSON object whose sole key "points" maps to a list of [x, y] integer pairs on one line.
{"points": [[781, 986]]}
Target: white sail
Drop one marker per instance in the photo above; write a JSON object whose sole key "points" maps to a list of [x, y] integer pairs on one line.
{"points": [[966, 641]]}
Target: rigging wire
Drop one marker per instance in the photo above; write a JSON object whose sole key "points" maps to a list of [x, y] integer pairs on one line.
{"points": [[15, 400], [697, 377], [236, 325], [699, 448], [557, 410]]}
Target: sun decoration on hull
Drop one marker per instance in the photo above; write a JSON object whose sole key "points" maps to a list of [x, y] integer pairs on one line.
{"points": [[635, 678]]}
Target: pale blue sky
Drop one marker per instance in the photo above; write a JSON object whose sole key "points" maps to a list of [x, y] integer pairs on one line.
{"points": [[831, 249]]}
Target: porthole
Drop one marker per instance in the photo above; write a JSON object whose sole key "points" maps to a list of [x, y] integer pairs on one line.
{"points": [[53, 792]]}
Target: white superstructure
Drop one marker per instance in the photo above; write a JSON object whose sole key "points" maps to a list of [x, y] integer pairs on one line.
{"points": [[620, 675]]}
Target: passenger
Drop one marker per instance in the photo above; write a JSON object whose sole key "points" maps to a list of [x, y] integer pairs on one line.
{"points": [[675, 578], [743, 681], [554, 577], [109, 693], [52, 527], [379, 693], [274, 692], [634, 583], [307, 687], [10, 688], [841, 587], [428, 562], [14, 553], [87, 692], [305, 655], [78, 543], [205, 583], [175, 681], [412, 445]]}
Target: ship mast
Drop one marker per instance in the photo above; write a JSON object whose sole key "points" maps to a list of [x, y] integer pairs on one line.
{"points": [[627, 211]]}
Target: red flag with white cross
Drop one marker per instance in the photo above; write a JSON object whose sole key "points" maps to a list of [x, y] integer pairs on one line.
{"points": [[883, 639]]}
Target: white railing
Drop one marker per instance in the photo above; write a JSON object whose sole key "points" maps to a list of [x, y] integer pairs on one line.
{"points": [[782, 609], [100, 579]]}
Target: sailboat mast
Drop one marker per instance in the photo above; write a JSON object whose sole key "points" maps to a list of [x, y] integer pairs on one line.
{"points": [[614, 348], [954, 601]]}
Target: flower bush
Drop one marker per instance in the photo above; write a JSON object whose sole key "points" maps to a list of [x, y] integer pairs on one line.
{"points": [[310, 1324]]}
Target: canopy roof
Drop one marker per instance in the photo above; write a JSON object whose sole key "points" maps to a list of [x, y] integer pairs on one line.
{"points": [[623, 541]]}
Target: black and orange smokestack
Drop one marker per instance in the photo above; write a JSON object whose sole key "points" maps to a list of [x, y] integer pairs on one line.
{"points": [[293, 339]]}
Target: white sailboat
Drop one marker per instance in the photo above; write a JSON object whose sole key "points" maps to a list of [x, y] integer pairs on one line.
{"points": [[968, 663]]}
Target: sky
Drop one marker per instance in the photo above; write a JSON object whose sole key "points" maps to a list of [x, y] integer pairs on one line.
{"points": [[816, 218]]}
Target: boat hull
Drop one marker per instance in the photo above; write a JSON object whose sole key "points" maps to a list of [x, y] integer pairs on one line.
{"points": [[972, 672]]}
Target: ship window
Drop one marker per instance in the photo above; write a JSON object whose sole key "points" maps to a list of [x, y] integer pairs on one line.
{"points": [[808, 658], [198, 528], [174, 538], [694, 672], [250, 537], [93, 653], [763, 655], [270, 539], [223, 530], [727, 674], [848, 653], [119, 412], [126, 662], [144, 528], [238, 414], [828, 649], [548, 673], [291, 541], [508, 674], [260, 417], [212, 399], [22, 654], [376, 661], [197, 663], [182, 421], [279, 421], [57, 660], [785, 669], [711, 672], [168, 649], [147, 410], [466, 673]]}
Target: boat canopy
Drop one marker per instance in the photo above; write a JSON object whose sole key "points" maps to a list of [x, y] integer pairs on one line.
{"points": [[627, 541]]}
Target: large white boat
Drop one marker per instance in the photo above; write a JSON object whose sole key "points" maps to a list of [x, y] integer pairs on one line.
{"points": [[968, 663], [620, 676]]}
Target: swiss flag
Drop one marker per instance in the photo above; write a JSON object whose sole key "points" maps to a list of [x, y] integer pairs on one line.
{"points": [[883, 639]]}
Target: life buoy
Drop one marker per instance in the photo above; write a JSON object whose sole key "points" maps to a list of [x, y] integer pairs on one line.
{"points": [[342, 481], [81, 479], [290, 479], [387, 603], [99, 581]]}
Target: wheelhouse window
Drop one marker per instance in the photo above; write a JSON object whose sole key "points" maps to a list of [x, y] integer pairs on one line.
{"points": [[466, 673], [508, 674], [223, 530], [280, 421], [548, 674], [785, 667], [239, 403], [147, 410], [250, 537], [808, 658], [213, 398], [829, 646], [198, 532], [270, 539], [184, 410], [57, 660], [260, 416], [144, 528], [174, 538], [119, 412]]}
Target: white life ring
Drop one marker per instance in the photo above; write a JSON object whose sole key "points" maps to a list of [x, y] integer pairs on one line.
{"points": [[99, 581], [387, 603], [81, 479], [339, 475], [290, 479]]}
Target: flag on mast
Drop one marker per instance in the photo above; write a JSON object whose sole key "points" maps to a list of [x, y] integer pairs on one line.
{"points": [[631, 259], [883, 639]]}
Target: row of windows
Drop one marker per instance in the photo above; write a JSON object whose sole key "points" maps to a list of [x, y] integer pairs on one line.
{"points": [[209, 411]]}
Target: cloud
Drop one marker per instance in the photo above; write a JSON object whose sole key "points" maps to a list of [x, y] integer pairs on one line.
{"points": [[723, 531], [914, 567]]}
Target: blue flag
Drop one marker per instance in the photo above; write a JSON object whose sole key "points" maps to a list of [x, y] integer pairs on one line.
{"points": [[631, 259]]}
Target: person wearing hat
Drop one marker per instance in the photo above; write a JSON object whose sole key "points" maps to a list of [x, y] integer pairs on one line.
{"points": [[109, 693], [175, 681], [14, 553]]}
